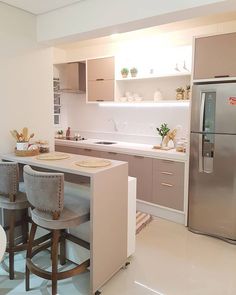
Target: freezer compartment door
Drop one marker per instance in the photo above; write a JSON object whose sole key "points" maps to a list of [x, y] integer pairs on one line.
{"points": [[212, 188], [214, 108]]}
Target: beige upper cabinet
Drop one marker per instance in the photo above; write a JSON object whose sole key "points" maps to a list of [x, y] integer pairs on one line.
{"points": [[214, 57], [101, 79], [72, 77]]}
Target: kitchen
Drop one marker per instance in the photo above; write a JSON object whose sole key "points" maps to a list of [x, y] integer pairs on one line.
{"points": [[128, 120]]}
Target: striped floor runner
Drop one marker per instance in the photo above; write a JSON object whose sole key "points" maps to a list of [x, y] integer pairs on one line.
{"points": [[142, 219]]}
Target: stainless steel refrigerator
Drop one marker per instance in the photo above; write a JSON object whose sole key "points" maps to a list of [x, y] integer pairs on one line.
{"points": [[212, 183]]}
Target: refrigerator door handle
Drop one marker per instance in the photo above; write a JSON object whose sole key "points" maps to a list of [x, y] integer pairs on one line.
{"points": [[202, 108], [200, 164]]}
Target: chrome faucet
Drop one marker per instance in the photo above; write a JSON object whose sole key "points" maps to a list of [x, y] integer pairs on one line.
{"points": [[114, 124]]}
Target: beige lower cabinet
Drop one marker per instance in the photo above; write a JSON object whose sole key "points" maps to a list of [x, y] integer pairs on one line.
{"points": [[158, 181], [141, 168], [78, 151], [168, 184]]}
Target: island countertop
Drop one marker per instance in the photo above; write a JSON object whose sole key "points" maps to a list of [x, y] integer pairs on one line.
{"points": [[65, 165]]}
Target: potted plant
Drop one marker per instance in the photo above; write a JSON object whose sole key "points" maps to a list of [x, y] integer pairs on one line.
{"points": [[163, 130], [187, 92], [124, 72], [133, 72], [180, 93]]}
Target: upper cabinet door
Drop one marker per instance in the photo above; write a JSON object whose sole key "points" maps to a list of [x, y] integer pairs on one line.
{"points": [[101, 90], [214, 57], [101, 69]]}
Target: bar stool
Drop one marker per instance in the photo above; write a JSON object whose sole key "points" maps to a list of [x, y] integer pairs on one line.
{"points": [[55, 212], [12, 200]]}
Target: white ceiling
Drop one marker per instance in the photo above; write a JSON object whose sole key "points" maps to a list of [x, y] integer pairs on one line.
{"points": [[40, 6]]}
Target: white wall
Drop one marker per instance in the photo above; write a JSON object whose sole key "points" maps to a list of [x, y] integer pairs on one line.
{"points": [[132, 123], [95, 18], [26, 97]]}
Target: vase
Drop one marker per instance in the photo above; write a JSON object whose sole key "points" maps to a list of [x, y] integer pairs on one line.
{"points": [[22, 146], [179, 95]]}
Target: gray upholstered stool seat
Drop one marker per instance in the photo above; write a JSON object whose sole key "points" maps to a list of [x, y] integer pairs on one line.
{"points": [[12, 199], [56, 211], [20, 202], [75, 212]]}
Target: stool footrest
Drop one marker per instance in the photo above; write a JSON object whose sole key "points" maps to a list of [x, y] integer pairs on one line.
{"points": [[47, 275], [77, 240]]}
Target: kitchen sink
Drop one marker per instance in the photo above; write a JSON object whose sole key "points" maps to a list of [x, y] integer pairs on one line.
{"points": [[105, 142]]}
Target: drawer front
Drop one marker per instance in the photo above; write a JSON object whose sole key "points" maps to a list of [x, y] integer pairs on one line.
{"points": [[115, 156], [78, 151], [168, 184], [170, 195], [175, 178], [167, 166], [101, 90], [101, 68]]}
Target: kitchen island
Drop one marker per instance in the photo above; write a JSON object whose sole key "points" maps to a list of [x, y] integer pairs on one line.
{"points": [[108, 188]]}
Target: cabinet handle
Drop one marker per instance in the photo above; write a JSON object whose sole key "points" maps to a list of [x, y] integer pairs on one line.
{"points": [[112, 153], [166, 184], [87, 150], [168, 161], [166, 173], [99, 99], [99, 79], [221, 76], [139, 157]]}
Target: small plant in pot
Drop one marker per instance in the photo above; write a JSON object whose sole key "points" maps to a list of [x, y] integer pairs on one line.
{"points": [[162, 131], [124, 72], [180, 93], [133, 72]]}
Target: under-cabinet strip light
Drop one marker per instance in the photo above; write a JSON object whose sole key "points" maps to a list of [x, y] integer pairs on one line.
{"points": [[145, 104]]}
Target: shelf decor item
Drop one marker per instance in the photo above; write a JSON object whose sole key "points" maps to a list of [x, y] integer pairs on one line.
{"points": [[124, 72], [60, 134], [180, 93], [163, 131], [133, 72], [187, 92]]}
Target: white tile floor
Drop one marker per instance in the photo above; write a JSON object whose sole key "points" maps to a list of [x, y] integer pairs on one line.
{"points": [[169, 260]]}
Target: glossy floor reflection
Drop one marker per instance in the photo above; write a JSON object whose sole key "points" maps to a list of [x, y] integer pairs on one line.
{"points": [[169, 260]]}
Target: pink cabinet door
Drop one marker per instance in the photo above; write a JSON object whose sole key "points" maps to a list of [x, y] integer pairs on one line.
{"points": [[141, 168], [215, 56], [101, 68], [101, 90], [168, 184], [78, 151]]}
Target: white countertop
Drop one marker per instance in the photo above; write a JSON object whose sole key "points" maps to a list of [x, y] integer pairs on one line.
{"points": [[126, 148], [64, 165]]}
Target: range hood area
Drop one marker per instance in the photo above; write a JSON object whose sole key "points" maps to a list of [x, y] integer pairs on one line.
{"points": [[72, 77]]}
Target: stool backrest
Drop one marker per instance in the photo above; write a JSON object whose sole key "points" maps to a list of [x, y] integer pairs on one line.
{"points": [[45, 191], [9, 179]]}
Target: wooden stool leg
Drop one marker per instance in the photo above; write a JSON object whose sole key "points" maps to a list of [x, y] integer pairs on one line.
{"points": [[55, 242], [25, 226], [11, 244], [29, 255], [62, 248]]}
